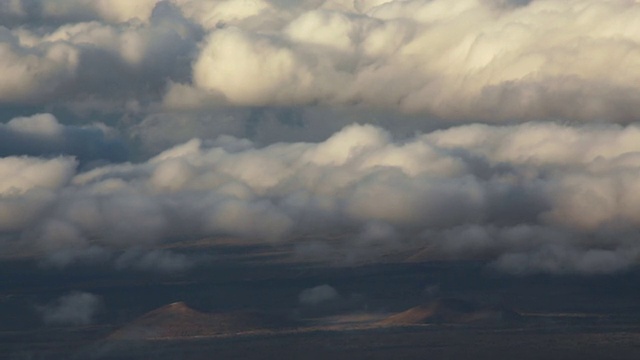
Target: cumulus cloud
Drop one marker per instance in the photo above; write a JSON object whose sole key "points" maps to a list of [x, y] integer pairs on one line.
{"points": [[43, 135], [28, 187], [75, 308], [18, 11], [59, 65], [530, 197], [475, 59], [350, 131], [485, 60]]}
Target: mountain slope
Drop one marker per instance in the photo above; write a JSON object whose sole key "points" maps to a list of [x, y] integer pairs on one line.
{"points": [[451, 311], [177, 320]]}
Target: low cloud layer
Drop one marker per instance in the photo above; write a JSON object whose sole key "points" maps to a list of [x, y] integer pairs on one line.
{"points": [[351, 131], [318, 295], [75, 308], [530, 197]]}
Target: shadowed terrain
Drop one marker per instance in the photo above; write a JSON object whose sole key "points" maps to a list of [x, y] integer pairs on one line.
{"points": [[448, 310], [177, 320], [453, 311]]}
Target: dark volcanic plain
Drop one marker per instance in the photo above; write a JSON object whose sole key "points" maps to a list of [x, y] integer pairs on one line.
{"points": [[239, 308]]}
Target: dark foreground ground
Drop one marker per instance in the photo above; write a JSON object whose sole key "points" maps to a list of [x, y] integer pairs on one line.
{"points": [[437, 342], [565, 317], [402, 344]]}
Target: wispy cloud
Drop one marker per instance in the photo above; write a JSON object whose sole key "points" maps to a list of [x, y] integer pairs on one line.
{"points": [[75, 308]]}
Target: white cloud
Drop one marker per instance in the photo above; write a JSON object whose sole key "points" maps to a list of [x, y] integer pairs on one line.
{"points": [[473, 59], [34, 73], [250, 70], [213, 14], [269, 88], [496, 193], [21, 174], [39, 125], [94, 64]]}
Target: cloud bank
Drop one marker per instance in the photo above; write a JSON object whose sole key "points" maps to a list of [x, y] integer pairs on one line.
{"points": [[350, 131], [480, 59], [530, 197], [490, 60]]}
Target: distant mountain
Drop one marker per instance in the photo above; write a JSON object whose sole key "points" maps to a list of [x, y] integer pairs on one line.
{"points": [[452, 311], [177, 320]]}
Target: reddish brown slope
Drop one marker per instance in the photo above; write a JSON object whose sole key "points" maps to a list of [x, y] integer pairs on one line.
{"points": [[177, 320], [450, 311]]}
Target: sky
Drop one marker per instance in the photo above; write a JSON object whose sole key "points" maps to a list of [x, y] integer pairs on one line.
{"points": [[502, 131]]}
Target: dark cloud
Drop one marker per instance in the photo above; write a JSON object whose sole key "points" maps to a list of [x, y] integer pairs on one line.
{"points": [[41, 12], [323, 300], [43, 135]]}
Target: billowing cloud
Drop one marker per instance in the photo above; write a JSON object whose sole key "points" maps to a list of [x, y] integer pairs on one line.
{"points": [[28, 186], [43, 135], [477, 59], [29, 11], [530, 197], [348, 131], [109, 66], [75, 308]]}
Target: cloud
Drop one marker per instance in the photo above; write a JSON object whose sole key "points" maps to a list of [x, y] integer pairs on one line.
{"points": [[496, 193], [325, 300], [58, 66], [267, 66], [43, 135], [350, 131], [212, 15], [477, 60], [40, 11], [318, 295], [75, 308], [487, 60], [22, 174], [33, 73], [155, 260]]}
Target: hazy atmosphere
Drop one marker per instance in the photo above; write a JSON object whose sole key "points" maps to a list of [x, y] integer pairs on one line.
{"points": [[344, 133]]}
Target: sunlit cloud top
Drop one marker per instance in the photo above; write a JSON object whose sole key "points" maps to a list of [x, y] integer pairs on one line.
{"points": [[501, 131]]}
